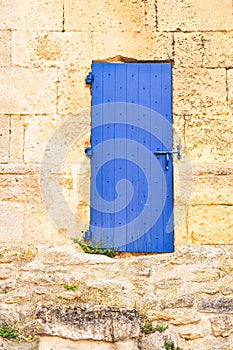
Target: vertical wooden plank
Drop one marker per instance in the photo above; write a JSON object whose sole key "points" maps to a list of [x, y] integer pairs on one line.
{"points": [[96, 219], [131, 173], [108, 179], [166, 88], [144, 139], [121, 134], [156, 144]]}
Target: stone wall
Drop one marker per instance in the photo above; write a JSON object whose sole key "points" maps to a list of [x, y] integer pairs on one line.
{"points": [[190, 290], [46, 50]]}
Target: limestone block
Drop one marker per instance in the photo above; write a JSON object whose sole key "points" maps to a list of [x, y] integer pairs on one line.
{"points": [[156, 340], [150, 15], [222, 325], [211, 224], [180, 224], [135, 45], [27, 91], [73, 93], [216, 305], [104, 14], [19, 188], [195, 15], [183, 179], [127, 345], [178, 125], [12, 345], [230, 88], [188, 49], [88, 322], [16, 139], [12, 222], [39, 229], [218, 49], [5, 48], [59, 343], [209, 138], [38, 131], [51, 49], [181, 301], [191, 332], [44, 15], [199, 90], [4, 138], [212, 169], [185, 317], [212, 189]]}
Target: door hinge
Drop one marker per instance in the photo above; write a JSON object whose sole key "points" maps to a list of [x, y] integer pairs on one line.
{"points": [[89, 78]]}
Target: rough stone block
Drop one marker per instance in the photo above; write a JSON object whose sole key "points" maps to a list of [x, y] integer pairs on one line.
{"points": [[132, 45], [104, 14], [222, 325], [73, 93], [185, 317], [197, 15], [209, 138], [212, 169], [19, 188], [180, 224], [51, 49], [217, 305], [210, 224], [88, 322], [38, 131], [218, 49], [199, 91], [191, 332], [150, 15], [27, 91], [230, 88], [4, 138], [183, 179], [12, 222], [19, 169], [5, 48], [182, 301], [39, 229], [66, 344], [212, 189], [16, 139], [188, 50], [44, 15]]}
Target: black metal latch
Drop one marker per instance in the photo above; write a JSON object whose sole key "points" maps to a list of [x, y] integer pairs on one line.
{"points": [[167, 154]]}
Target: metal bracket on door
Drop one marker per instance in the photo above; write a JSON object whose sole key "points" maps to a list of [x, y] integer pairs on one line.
{"points": [[167, 154]]}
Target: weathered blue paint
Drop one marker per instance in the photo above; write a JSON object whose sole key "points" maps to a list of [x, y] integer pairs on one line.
{"points": [[139, 84]]}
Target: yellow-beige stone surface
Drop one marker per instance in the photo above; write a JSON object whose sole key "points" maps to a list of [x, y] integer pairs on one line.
{"points": [[194, 15], [46, 50]]}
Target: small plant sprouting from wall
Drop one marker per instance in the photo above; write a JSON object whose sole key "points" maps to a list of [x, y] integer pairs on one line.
{"points": [[7, 332], [148, 328], [170, 345], [68, 287], [90, 248]]}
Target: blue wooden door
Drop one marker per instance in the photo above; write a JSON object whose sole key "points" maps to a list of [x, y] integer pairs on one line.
{"points": [[131, 167]]}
